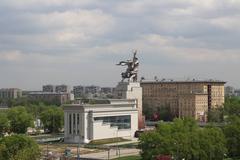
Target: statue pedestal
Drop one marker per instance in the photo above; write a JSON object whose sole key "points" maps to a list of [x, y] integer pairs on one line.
{"points": [[131, 90]]}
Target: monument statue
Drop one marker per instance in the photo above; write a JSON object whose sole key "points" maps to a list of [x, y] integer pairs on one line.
{"points": [[132, 68]]}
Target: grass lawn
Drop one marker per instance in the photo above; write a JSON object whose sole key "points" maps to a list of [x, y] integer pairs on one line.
{"points": [[129, 158]]}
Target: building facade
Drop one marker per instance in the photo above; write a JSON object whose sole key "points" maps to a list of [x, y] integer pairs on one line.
{"points": [[184, 98], [56, 88], [63, 88], [86, 122], [229, 91], [79, 91], [10, 93], [50, 97], [49, 88], [92, 89], [131, 90]]}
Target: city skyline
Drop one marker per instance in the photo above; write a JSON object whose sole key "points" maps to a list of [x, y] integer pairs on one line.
{"points": [[79, 42]]}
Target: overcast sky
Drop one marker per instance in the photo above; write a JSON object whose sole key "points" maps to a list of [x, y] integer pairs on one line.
{"points": [[79, 41]]}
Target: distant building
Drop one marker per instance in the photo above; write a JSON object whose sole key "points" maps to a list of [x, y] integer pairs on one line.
{"points": [[107, 90], [51, 97], [62, 88], [49, 88], [237, 92], [229, 91], [92, 89], [79, 91], [184, 98], [10, 93]]}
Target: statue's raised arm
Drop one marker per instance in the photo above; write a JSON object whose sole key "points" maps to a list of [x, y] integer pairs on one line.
{"points": [[132, 68]]}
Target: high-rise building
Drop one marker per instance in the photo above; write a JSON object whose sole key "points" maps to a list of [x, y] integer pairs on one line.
{"points": [[79, 91], [92, 89], [62, 88], [229, 91], [10, 93], [107, 90], [49, 88], [184, 98], [237, 92]]}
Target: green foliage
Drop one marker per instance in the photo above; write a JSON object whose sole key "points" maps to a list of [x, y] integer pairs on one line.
{"points": [[232, 106], [4, 123], [163, 112], [52, 119], [216, 115], [19, 119], [18, 147], [37, 109], [232, 133], [24, 101], [183, 139]]}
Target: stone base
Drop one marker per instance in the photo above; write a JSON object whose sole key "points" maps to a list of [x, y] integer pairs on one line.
{"points": [[131, 90]]}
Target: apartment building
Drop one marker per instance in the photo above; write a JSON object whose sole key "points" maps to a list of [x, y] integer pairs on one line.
{"points": [[107, 90], [49, 88], [78, 91], [63, 88], [184, 98], [10, 93], [92, 89]]}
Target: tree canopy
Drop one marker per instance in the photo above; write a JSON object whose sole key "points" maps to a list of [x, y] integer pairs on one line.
{"points": [[4, 123], [18, 147], [232, 133], [52, 119], [183, 139], [19, 119]]}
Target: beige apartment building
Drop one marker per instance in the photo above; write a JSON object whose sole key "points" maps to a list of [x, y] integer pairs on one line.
{"points": [[185, 98]]}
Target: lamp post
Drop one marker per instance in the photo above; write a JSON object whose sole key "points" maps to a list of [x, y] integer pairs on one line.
{"points": [[78, 150], [117, 142]]}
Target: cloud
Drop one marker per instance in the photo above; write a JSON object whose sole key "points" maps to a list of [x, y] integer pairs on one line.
{"points": [[10, 56], [55, 39]]}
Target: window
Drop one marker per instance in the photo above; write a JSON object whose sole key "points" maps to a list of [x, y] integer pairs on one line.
{"points": [[122, 122], [77, 118], [74, 122], [70, 124]]}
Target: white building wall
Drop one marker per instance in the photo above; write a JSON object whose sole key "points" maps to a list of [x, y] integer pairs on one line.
{"points": [[102, 131], [90, 129]]}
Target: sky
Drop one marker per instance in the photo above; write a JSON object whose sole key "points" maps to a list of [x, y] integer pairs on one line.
{"points": [[78, 42]]}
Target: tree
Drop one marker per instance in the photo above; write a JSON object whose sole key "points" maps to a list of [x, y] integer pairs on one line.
{"points": [[232, 106], [232, 133], [18, 147], [52, 119], [215, 115], [183, 139], [157, 113], [4, 123], [165, 113], [19, 119]]}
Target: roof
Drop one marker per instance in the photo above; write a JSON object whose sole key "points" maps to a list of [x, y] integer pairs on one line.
{"points": [[186, 81]]}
